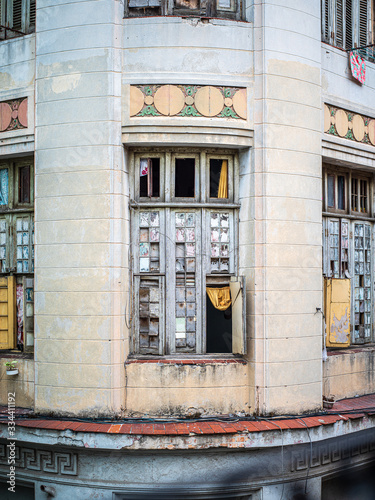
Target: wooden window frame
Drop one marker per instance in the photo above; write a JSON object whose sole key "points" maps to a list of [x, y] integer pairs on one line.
{"points": [[144, 8], [28, 10], [350, 175], [202, 206], [334, 20], [11, 213]]}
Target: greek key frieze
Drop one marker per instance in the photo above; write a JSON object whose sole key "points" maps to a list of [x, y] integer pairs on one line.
{"points": [[52, 462]]}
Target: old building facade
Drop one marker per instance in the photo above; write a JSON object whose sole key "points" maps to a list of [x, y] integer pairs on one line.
{"points": [[186, 230]]}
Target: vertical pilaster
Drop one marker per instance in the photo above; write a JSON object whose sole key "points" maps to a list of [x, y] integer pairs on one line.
{"points": [[80, 209], [287, 206]]}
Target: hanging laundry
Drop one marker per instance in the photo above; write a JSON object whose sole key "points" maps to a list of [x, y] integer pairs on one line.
{"points": [[358, 67], [144, 166]]}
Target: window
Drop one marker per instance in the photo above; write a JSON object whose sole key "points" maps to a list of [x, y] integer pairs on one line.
{"points": [[17, 18], [348, 239], [184, 219], [229, 9], [16, 254], [347, 23]]}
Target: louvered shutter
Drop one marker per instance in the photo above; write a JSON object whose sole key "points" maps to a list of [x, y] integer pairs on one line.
{"points": [[2, 19], [325, 22], [339, 24], [32, 16], [7, 312], [348, 25], [17, 15], [363, 16]]}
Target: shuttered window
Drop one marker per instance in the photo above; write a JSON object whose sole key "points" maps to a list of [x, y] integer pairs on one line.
{"points": [[347, 23], [17, 18]]}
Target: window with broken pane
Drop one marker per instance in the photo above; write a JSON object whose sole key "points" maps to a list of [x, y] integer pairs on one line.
{"points": [[17, 241], [230, 9], [348, 246], [186, 238]]}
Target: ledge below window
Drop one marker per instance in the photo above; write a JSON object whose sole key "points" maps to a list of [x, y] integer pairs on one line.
{"points": [[187, 361], [350, 350]]}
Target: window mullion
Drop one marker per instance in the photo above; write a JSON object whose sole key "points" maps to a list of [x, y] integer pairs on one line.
{"points": [[170, 280]]}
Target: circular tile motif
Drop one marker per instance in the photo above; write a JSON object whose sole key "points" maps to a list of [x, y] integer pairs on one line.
{"points": [[169, 100], [228, 102], [240, 103], [371, 131], [136, 100], [5, 116], [149, 100], [189, 100], [358, 127], [341, 122], [22, 113], [209, 101], [327, 118]]}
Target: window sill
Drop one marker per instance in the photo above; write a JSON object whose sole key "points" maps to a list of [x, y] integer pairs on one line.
{"points": [[9, 353], [175, 360], [351, 349]]}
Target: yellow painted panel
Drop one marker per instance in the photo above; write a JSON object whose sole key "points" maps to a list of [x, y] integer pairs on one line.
{"points": [[3, 309], [340, 290], [7, 323], [337, 312], [3, 282]]}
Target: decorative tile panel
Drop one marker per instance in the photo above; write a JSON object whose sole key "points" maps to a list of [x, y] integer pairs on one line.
{"points": [[13, 114], [188, 100], [349, 125]]}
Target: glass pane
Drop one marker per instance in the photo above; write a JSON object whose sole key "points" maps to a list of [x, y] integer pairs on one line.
{"points": [[24, 185], [341, 192], [4, 183], [185, 178], [144, 265]]}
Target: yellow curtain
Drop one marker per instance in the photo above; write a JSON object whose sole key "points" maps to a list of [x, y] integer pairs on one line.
{"points": [[223, 182], [219, 297]]}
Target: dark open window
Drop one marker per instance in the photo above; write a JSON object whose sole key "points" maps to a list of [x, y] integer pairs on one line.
{"points": [[24, 184], [185, 178]]}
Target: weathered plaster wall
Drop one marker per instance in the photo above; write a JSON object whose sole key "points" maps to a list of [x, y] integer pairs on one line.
{"points": [[22, 385], [349, 373], [287, 206], [189, 51], [81, 215], [180, 389], [17, 78], [340, 88], [173, 50]]}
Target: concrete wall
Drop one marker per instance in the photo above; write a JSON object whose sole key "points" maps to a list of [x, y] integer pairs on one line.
{"points": [[180, 389], [189, 51], [17, 79], [81, 260], [287, 206], [22, 385], [349, 373], [340, 88]]}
